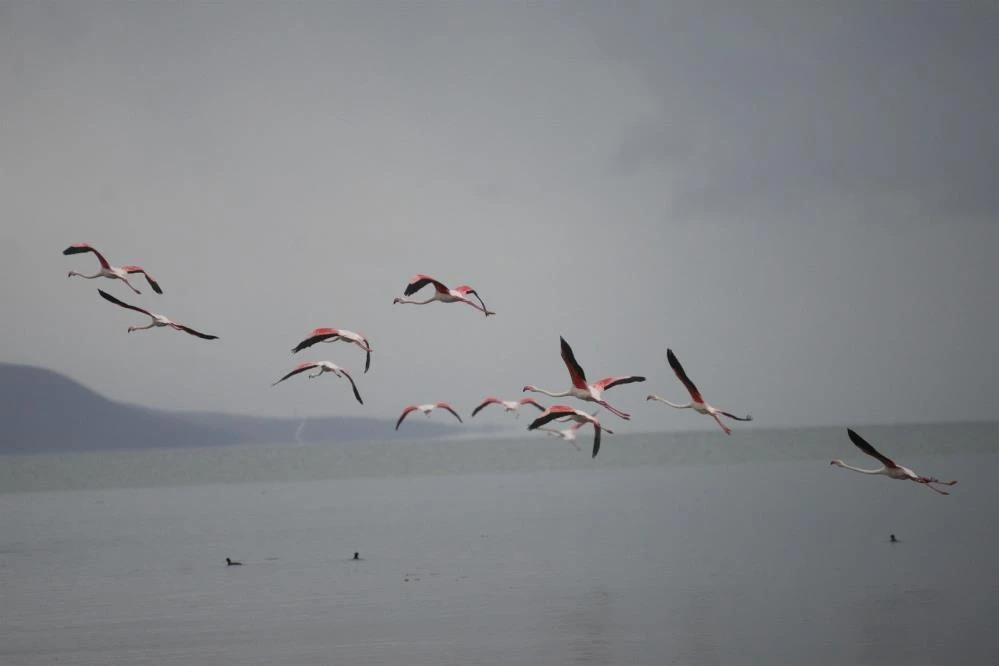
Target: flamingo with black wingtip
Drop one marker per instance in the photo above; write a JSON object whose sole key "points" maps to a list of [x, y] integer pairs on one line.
{"points": [[157, 319], [696, 401], [567, 434], [890, 468], [333, 335], [508, 405], [442, 293], [323, 366], [582, 390], [567, 413], [426, 409], [109, 271]]}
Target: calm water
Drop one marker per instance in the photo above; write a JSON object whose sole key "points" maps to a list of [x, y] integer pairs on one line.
{"points": [[680, 549]]}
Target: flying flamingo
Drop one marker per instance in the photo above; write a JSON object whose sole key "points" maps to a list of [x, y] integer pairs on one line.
{"points": [[890, 469], [332, 335], [697, 402], [568, 434], [580, 389], [109, 271], [567, 413], [323, 366], [508, 405], [442, 293], [426, 409], [157, 319]]}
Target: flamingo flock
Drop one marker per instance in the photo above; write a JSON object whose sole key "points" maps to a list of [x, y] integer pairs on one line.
{"points": [[580, 388]]}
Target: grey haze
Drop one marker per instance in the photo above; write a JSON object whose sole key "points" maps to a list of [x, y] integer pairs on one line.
{"points": [[799, 199]]}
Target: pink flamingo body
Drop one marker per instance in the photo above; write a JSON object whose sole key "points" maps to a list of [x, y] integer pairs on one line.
{"points": [[426, 409], [157, 319], [109, 271], [567, 413], [890, 468], [442, 293], [580, 389], [322, 366], [333, 335], [696, 403], [508, 405]]}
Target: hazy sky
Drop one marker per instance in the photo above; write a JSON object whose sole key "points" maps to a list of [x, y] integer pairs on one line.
{"points": [[800, 199]]}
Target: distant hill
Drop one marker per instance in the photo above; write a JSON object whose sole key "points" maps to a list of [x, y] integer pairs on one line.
{"points": [[41, 410]]}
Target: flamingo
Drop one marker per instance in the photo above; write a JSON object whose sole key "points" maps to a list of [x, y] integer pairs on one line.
{"points": [[567, 413], [890, 469], [583, 391], [323, 366], [568, 434], [157, 319], [697, 402], [332, 335], [109, 271], [426, 409], [442, 293], [508, 405]]}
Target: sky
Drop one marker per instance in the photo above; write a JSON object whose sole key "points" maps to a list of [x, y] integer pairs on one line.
{"points": [[799, 199]]}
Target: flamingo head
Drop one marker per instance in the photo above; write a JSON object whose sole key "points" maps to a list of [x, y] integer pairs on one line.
{"points": [[650, 396], [838, 463], [529, 387], [71, 274], [131, 328], [396, 300]]}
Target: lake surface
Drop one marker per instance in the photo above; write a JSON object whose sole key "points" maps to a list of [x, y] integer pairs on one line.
{"points": [[690, 548]]}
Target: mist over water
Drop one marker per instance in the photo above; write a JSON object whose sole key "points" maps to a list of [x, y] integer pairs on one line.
{"points": [[668, 548]]}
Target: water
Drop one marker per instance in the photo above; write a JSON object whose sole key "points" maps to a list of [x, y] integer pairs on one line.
{"points": [[680, 549]]}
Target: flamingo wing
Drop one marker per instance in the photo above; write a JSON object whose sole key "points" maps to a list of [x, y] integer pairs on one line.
{"points": [[576, 372], [551, 414], [419, 281], [301, 367], [405, 412], [596, 439], [108, 297], [611, 382], [367, 358], [444, 405], [80, 248], [466, 290], [866, 447], [188, 329], [488, 401], [318, 335], [682, 375], [149, 278], [532, 402], [352, 385]]}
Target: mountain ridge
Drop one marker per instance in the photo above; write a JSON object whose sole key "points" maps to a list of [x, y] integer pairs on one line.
{"points": [[42, 410]]}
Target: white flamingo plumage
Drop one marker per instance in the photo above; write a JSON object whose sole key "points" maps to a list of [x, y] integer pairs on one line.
{"points": [[442, 293], [508, 405], [322, 366], [582, 390], [567, 434], [696, 401], [334, 335], [426, 409], [890, 468], [567, 413], [157, 319], [109, 271]]}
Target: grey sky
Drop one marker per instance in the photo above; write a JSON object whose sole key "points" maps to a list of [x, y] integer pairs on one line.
{"points": [[800, 200]]}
